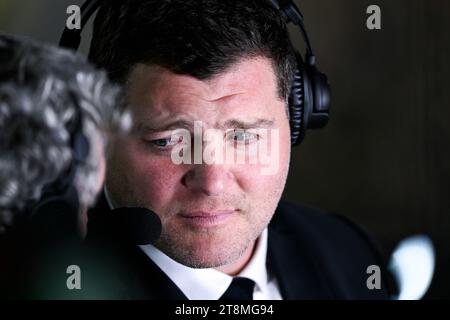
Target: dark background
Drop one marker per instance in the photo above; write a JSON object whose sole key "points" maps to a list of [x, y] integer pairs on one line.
{"points": [[384, 159]]}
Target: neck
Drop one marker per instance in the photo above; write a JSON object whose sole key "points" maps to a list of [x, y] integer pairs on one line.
{"points": [[236, 267]]}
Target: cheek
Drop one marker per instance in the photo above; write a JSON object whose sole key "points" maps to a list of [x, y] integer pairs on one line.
{"points": [[254, 184], [141, 176], [159, 181]]}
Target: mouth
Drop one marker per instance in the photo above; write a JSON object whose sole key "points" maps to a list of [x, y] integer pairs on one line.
{"points": [[207, 219]]}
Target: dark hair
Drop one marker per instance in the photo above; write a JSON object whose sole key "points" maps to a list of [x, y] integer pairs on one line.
{"points": [[201, 38]]}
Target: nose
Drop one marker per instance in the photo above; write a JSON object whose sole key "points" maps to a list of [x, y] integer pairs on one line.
{"points": [[208, 179]]}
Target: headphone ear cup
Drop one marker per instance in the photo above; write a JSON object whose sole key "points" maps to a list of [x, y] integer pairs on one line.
{"points": [[321, 96], [296, 108], [309, 101], [299, 104]]}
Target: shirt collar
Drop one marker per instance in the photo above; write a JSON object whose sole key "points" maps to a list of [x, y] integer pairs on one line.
{"points": [[209, 283]]}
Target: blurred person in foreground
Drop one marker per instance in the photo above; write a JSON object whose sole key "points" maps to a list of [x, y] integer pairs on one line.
{"points": [[56, 113]]}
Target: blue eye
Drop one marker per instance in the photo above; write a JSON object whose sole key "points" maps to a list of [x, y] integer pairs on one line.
{"points": [[244, 137], [165, 143], [161, 142]]}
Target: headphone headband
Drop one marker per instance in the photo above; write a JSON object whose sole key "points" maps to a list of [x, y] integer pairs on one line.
{"points": [[293, 14], [71, 39]]}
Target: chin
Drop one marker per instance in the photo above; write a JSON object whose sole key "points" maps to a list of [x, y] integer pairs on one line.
{"points": [[203, 253], [206, 260]]}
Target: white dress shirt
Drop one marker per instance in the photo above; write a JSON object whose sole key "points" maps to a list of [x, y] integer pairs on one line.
{"points": [[211, 284]]}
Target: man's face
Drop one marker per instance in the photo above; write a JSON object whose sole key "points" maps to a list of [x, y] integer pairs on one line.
{"points": [[210, 213]]}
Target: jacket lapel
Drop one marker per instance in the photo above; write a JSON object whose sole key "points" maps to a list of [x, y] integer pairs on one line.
{"points": [[143, 279], [293, 262]]}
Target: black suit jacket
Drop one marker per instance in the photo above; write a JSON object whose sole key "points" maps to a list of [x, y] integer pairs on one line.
{"points": [[312, 254]]}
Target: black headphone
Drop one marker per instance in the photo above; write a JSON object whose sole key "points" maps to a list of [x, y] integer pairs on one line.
{"points": [[309, 102], [310, 98]]}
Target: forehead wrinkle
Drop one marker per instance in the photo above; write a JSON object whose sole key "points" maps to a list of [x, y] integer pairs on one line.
{"points": [[224, 97]]}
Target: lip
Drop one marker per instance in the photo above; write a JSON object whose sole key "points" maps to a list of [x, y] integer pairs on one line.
{"points": [[207, 219]]}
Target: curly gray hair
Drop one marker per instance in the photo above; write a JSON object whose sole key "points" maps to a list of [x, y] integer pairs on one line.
{"points": [[42, 88]]}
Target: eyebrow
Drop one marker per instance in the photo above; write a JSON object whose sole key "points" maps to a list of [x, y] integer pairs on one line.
{"points": [[238, 124], [189, 124], [146, 129]]}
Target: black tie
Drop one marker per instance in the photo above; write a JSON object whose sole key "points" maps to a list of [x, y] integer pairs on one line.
{"points": [[239, 289]]}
